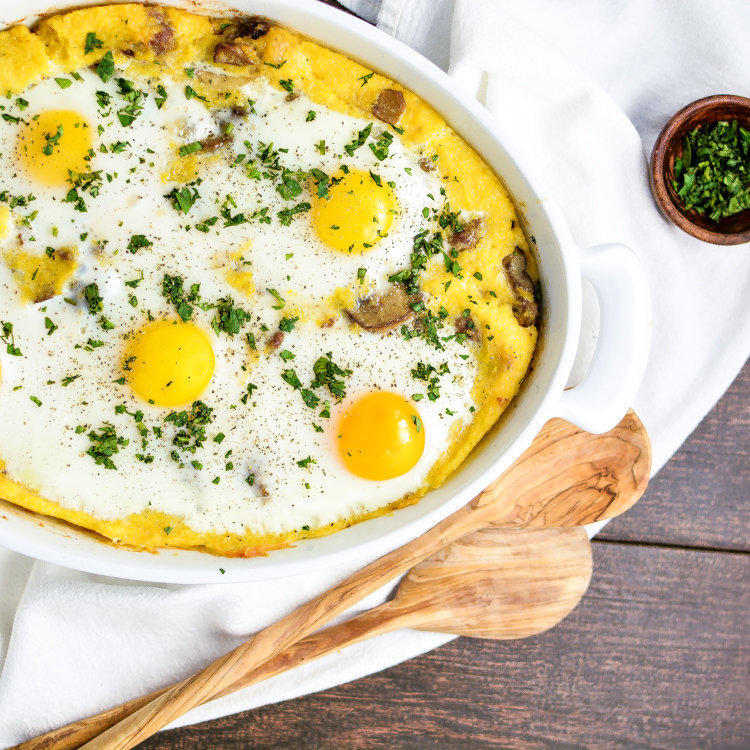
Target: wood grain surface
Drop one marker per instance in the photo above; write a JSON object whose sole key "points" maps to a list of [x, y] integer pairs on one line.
{"points": [[657, 654]]}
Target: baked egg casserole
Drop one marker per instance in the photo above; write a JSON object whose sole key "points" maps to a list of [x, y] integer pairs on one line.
{"points": [[251, 291]]}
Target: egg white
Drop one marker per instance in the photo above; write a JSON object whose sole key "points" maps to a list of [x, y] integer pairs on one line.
{"points": [[274, 430]]}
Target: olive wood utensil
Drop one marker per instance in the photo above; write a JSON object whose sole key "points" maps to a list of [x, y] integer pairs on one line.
{"points": [[567, 477], [495, 583]]}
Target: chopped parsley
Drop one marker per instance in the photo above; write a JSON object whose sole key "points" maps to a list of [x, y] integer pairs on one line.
{"points": [[229, 318], [190, 148], [183, 198], [712, 175], [286, 216], [381, 146], [366, 78], [52, 140], [8, 339], [327, 373], [105, 444], [287, 324], [92, 43], [191, 93], [134, 98], [106, 67], [172, 288], [191, 426], [92, 298], [362, 136], [138, 242], [159, 100], [279, 299]]}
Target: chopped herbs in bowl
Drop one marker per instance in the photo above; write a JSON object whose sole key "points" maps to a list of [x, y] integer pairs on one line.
{"points": [[700, 169], [712, 174]]}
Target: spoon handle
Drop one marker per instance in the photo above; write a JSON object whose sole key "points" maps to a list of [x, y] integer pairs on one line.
{"points": [[268, 643], [383, 619]]}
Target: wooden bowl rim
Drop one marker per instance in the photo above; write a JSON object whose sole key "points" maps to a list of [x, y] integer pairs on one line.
{"points": [[669, 205]]}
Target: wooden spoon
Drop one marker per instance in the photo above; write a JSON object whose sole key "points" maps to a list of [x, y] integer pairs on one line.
{"points": [[567, 477], [496, 583]]}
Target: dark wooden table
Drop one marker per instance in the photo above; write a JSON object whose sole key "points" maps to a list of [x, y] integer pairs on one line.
{"points": [[656, 655]]}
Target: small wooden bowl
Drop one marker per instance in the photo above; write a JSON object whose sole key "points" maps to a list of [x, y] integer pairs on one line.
{"points": [[733, 230]]}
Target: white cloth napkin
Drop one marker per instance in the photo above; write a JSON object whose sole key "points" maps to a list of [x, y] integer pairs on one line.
{"points": [[585, 85]]}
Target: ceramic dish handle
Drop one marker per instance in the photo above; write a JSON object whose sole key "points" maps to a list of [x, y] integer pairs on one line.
{"points": [[607, 390]]}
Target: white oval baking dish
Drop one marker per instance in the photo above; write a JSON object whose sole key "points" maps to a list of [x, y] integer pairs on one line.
{"points": [[596, 404]]}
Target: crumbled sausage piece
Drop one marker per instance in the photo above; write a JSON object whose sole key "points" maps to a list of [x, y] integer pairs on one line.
{"points": [[427, 165], [525, 308], [466, 326], [276, 340], [163, 41], [471, 232], [290, 97], [253, 26], [234, 53], [384, 309], [389, 106], [215, 141]]}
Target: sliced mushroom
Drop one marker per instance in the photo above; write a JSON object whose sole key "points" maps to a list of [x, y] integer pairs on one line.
{"points": [[467, 327], [383, 309], [276, 340], [164, 39], [253, 27], [515, 269], [427, 165], [234, 53], [221, 81], [389, 106], [471, 232], [215, 141], [525, 308]]}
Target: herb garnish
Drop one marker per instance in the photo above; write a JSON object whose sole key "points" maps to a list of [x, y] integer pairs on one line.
{"points": [[192, 424], [8, 339], [92, 43], [712, 175], [138, 242], [362, 136], [183, 198], [105, 444], [172, 289], [229, 318], [327, 373], [106, 67]]}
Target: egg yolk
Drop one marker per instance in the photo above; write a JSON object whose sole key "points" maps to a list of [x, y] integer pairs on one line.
{"points": [[169, 363], [357, 214], [53, 144], [380, 436]]}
